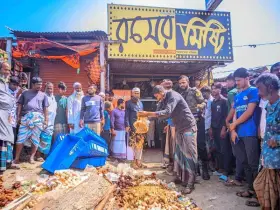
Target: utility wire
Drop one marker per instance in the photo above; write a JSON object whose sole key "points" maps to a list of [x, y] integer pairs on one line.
{"points": [[256, 45], [250, 69]]}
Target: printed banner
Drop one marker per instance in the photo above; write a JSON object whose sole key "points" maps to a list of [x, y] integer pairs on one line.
{"points": [[152, 33]]}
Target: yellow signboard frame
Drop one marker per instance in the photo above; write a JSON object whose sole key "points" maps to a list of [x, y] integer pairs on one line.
{"points": [[154, 33]]}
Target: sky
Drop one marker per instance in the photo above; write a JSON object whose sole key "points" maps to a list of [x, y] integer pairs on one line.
{"points": [[253, 22]]}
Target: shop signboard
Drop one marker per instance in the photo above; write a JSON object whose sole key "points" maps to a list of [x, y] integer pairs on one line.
{"points": [[211, 5], [153, 33]]}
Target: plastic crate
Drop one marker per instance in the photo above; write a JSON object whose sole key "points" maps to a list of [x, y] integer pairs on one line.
{"points": [[82, 162], [57, 141], [64, 154], [96, 146], [88, 134]]}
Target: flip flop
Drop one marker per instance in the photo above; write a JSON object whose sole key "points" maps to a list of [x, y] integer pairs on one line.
{"points": [[187, 190], [252, 202], [245, 194], [233, 183], [142, 166], [32, 161], [15, 166], [134, 166], [40, 159]]}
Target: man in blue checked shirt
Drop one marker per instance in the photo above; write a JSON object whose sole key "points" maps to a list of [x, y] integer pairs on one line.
{"points": [[267, 183]]}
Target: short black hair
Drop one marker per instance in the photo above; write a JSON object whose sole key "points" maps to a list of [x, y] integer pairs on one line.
{"points": [[206, 89], [14, 80], [274, 66], [93, 85], [230, 77], [183, 77], [269, 80], [36, 80], [158, 89], [217, 86], [120, 101], [23, 76], [61, 85], [241, 73], [111, 93]]}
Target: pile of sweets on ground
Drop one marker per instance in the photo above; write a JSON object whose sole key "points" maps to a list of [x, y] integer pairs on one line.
{"points": [[63, 179], [148, 192], [8, 195]]}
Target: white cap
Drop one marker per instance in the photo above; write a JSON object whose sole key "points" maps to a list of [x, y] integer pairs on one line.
{"points": [[136, 90], [101, 94], [76, 84]]}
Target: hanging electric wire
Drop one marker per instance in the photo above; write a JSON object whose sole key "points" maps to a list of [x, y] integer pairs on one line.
{"points": [[256, 45], [230, 71]]}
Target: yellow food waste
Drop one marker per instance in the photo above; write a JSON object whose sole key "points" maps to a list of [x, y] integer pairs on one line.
{"points": [[141, 125]]}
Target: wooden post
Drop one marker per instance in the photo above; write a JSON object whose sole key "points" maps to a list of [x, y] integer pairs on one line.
{"points": [[102, 66], [108, 77], [9, 50], [208, 76]]}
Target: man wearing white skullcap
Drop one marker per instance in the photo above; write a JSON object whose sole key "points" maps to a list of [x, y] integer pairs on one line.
{"points": [[132, 107], [102, 95], [74, 103]]}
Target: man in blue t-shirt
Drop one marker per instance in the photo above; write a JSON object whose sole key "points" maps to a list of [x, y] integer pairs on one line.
{"points": [[244, 128]]}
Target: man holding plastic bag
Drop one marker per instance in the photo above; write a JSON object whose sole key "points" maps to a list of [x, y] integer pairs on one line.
{"points": [[46, 135]]}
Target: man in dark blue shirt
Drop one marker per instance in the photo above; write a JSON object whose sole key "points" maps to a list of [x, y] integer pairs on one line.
{"points": [[244, 129]]}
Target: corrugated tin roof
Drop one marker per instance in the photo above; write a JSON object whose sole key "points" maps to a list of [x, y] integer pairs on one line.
{"points": [[92, 35]]}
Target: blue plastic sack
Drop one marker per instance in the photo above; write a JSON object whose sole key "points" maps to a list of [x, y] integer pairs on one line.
{"points": [[64, 154], [96, 145], [45, 143], [81, 163]]}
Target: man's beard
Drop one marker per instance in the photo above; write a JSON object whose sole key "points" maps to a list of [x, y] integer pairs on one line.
{"points": [[134, 99], [79, 95], [4, 78]]}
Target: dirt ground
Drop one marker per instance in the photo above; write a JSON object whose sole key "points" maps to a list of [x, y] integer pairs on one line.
{"points": [[209, 195]]}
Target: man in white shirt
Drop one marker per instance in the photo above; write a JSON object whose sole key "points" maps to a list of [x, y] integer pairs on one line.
{"points": [[262, 105], [206, 93]]}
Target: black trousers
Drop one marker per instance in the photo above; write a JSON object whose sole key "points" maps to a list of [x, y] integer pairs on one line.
{"points": [[15, 131], [201, 140], [247, 150], [223, 151], [106, 135]]}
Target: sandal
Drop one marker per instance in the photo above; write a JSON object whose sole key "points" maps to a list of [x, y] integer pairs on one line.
{"points": [[252, 202], [177, 181], [233, 183], [15, 165], [32, 161], [245, 194], [40, 159], [134, 166], [142, 165], [187, 190]]}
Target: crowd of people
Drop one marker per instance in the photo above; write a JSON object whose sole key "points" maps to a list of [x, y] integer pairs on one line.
{"points": [[233, 133]]}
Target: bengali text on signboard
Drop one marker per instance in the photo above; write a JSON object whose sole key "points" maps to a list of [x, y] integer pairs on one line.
{"points": [[149, 33]]}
